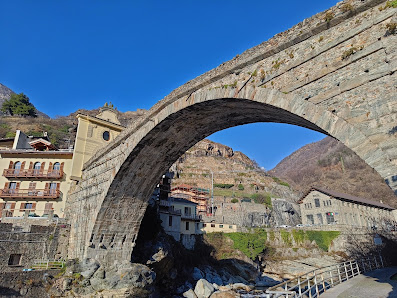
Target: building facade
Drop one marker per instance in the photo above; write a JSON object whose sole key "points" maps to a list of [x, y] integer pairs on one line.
{"points": [[324, 207], [36, 176]]}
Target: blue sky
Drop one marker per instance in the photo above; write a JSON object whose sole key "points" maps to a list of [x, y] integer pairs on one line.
{"points": [[67, 55]]}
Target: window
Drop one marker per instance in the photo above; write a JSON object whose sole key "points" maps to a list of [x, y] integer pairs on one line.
{"points": [[212, 225], [204, 225], [170, 221], [14, 260], [320, 218], [221, 226], [36, 168], [330, 217], [17, 167], [187, 226], [310, 219], [28, 205], [12, 187], [230, 227], [56, 166], [317, 202], [53, 187], [106, 135], [188, 211]]}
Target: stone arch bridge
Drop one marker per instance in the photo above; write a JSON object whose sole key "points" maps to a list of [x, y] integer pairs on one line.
{"points": [[334, 73]]}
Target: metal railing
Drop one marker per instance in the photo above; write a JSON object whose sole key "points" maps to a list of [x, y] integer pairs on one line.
{"points": [[191, 216], [32, 173], [318, 281], [47, 264]]}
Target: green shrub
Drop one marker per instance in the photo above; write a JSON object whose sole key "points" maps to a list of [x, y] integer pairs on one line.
{"points": [[260, 198], [251, 244], [272, 237], [222, 185], [322, 238], [240, 187], [234, 201]]}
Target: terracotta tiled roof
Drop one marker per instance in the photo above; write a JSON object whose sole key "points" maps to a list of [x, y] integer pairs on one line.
{"points": [[346, 197]]}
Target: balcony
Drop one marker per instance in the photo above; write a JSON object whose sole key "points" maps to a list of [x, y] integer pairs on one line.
{"points": [[191, 216], [30, 193], [32, 173]]}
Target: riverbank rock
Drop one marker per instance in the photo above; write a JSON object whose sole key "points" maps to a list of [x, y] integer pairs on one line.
{"points": [[227, 294], [190, 294], [203, 289]]}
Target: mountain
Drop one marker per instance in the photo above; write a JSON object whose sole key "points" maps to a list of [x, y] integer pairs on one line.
{"points": [[330, 164], [5, 94]]}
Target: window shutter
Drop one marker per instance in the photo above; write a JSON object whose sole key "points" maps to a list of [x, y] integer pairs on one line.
{"points": [[23, 165], [31, 165], [50, 167], [32, 185], [58, 186], [7, 185], [42, 167], [33, 206], [47, 185], [12, 206], [61, 167], [11, 165], [18, 185], [1, 207], [23, 206]]}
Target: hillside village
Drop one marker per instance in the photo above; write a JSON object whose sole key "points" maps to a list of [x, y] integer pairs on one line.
{"points": [[210, 189]]}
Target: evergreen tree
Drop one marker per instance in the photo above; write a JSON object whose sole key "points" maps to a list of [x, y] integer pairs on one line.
{"points": [[19, 104]]}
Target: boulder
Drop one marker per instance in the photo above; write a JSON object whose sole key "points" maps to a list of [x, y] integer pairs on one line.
{"points": [[203, 289], [137, 276], [227, 294], [88, 267], [241, 286], [197, 274], [190, 294]]}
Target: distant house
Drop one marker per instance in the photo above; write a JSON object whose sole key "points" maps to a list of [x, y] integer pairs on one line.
{"points": [[179, 217], [193, 194], [320, 206]]}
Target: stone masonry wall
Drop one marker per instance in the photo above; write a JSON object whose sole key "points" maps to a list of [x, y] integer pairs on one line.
{"points": [[42, 242]]}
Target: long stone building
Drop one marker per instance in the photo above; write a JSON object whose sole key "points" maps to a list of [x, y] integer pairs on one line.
{"points": [[320, 206]]}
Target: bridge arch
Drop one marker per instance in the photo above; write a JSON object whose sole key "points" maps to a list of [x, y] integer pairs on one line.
{"points": [[336, 76], [148, 148]]}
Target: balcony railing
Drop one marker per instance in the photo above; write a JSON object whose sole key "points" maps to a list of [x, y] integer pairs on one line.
{"points": [[191, 216], [32, 173], [30, 193]]}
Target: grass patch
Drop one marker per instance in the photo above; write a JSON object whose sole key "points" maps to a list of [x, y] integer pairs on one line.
{"points": [[281, 182], [251, 244], [322, 238], [299, 236], [286, 236]]}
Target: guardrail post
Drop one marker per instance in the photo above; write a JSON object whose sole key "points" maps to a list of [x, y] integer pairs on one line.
{"points": [[299, 286], [351, 266], [339, 275], [376, 263], [347, 274], [308, 285], [381, 260], [315, 283], [322, 278], [332, 279]]}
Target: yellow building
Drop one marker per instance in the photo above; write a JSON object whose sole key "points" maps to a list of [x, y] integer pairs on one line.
{"points": [[36, 177]]}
